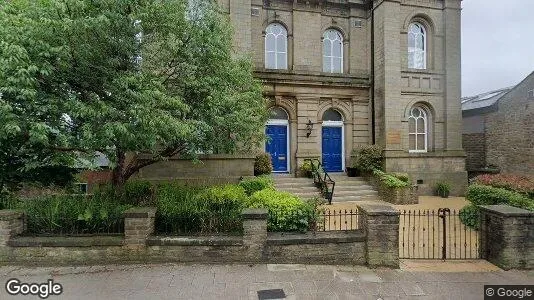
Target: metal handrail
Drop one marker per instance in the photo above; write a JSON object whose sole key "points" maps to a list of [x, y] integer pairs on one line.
{"points": [[324, 182]]}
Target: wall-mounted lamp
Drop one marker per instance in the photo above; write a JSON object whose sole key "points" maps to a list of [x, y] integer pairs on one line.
{"points": [[309, 128]]}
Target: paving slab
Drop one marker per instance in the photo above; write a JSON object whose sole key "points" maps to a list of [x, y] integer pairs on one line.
{"points": [[170, 281]]}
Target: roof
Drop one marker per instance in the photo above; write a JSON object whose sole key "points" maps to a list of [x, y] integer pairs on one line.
{"points": [[484, 100]]}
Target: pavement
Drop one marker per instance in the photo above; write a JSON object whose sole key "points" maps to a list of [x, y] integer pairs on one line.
{"points": [[417, 280]]}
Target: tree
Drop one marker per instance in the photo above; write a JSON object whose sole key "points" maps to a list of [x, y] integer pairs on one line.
{"points": [[139, 81]]}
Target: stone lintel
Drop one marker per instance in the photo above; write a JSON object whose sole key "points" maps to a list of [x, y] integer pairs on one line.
{"points": [[378, 210], [255, 214], [507, 211], [220, 240], [10, 214], [140, 212], [332, 237], [65, 241]]}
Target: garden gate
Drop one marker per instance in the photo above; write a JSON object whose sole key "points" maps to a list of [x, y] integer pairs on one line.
{"points": [[427, 234]]}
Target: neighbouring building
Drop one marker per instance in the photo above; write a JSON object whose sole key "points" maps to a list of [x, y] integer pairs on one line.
{"points": [[498, 129], [343, 73]]}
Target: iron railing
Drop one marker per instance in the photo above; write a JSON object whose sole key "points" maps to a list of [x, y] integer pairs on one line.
{"points": [[430, 234], [337, 220], [322, 180]]}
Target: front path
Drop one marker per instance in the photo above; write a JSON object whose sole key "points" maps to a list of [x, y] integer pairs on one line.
{"points": [[242, 282]]}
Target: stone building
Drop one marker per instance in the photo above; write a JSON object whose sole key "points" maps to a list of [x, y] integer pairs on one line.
{"points": [[343, 73], [498, 129]]}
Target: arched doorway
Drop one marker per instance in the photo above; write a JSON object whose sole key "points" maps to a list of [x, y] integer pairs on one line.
{"points": [[277, 144], [333, 142]]}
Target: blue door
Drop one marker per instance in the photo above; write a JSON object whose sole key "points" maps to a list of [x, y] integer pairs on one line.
{"points": [[276, 145], [332, 148]]}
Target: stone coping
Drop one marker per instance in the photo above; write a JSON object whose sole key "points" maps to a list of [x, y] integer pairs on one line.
{"points": [[10, 214], [507, 211], [255, 214], [65, 241], [216, 240], [378, 210], [140, 212], [327, 237], [206, 157], [434, 154]]}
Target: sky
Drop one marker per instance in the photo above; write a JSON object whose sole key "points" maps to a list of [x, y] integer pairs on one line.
{"points": [[497, 44]]}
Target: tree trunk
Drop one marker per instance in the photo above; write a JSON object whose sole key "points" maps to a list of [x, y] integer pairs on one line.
{"points": [[117, 178]]}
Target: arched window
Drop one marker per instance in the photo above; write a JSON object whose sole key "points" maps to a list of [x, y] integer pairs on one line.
{"points": [[276, 47], [332, 115], [418, 130], [278, 113], [416, 46], [332, 51]]}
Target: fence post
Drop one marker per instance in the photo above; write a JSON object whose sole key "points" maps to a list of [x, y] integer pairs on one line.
{"points": [[381, 225], [254, 232], [507, 236], [12, 223], [138, 225]]}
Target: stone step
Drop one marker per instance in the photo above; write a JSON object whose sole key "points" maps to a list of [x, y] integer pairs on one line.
{"points": [[298, 189], [353, 187], [294, 184], [356, 198], [292, 179], [307, 194], [354, 193], [350, 182]]}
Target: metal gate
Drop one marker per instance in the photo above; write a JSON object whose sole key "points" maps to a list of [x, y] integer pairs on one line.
{"points": [[429, 234]]}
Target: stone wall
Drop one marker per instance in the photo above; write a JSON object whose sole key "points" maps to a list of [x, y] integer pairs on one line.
{"points": [[510, 131], [507, 236], [209, 170], [376, 244], [475, 149], [427, 169], [404, 195]]}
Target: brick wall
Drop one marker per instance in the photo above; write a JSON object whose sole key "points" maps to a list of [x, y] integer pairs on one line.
{"points": [[475, 149]]}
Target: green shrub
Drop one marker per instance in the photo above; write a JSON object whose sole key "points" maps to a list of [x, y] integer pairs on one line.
{"points": [[511, 182], [136, 193], [263, 164], [402, 176], [71, 214], [252, 185], [368, 158], [389, 180], [443, 189], [286, 211], [183, 210], [487, 195], [470, 216]]}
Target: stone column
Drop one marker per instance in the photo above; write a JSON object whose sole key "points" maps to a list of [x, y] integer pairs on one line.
{"points": [[381, 224], [254, 232], [12, 223], [507, 236], [138, 225]]}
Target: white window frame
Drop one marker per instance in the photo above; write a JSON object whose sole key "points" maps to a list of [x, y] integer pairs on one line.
{"points": [[423, 116], [277, 64], [337, 124], [414, 51], [332, 56]]}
